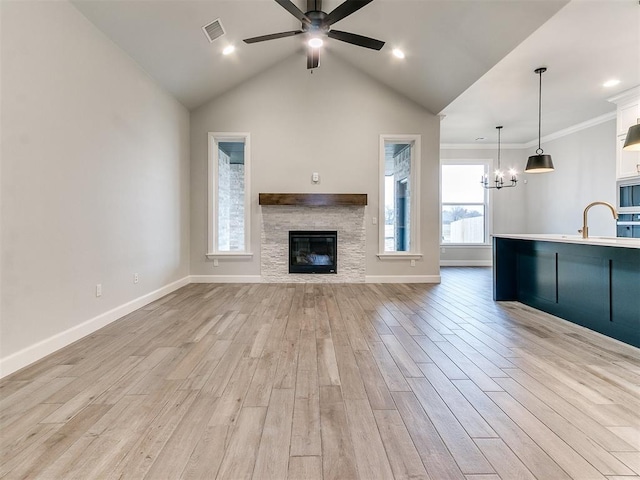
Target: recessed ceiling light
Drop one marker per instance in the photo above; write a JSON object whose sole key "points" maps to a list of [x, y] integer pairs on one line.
{"points": [[228, 50], [315, 42], [398, 53], [611, 83]]}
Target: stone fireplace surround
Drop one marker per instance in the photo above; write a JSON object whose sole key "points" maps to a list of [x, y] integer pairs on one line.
{"points": [[347, 220]]}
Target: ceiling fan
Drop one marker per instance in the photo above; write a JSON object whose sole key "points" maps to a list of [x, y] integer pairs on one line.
{"points": [[317, 24]]}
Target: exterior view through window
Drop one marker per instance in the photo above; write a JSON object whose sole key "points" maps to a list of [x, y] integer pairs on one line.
{"points": [[397, 197], [231, 197], [464, 204]]}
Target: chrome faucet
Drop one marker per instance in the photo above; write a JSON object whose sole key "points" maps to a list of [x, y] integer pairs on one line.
{"points": [[585, 229]]}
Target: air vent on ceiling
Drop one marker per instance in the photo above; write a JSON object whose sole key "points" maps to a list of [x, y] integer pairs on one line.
{"points": [[213, 30]]}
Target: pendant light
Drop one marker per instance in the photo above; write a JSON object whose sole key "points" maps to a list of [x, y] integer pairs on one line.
{"points": [[498, 180], [632, 143], [539, 163]]}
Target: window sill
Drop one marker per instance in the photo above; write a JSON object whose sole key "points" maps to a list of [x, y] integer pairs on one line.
{"points": [[399, 256], [238, 255]]}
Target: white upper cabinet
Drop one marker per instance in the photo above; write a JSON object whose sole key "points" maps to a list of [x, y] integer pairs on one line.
{"points": [[628, 102]]}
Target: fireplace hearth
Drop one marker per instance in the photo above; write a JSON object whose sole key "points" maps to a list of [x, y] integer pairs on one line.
{"points": [[313, 251]]}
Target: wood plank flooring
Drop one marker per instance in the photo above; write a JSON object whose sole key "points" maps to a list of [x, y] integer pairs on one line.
{"points": [[309, 381]]}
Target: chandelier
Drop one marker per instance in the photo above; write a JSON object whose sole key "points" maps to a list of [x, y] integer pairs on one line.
{"points": [[498, 180]]}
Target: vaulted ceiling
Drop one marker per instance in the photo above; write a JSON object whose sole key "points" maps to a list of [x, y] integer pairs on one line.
{"points": [[468, 59]]}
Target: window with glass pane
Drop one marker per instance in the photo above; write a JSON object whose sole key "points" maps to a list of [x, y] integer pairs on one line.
{"points": [[229, 187], [230, 196], [464, 204], [397, 197]]}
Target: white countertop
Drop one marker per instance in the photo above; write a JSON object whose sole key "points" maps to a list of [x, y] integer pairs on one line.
{"points": [[600, 241]]}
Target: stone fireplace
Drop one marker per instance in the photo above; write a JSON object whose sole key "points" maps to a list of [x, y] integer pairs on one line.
{"points": [[348, 221]]}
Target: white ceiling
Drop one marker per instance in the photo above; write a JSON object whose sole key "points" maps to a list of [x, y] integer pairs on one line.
{"points": [[472, 60], [585, 44]]}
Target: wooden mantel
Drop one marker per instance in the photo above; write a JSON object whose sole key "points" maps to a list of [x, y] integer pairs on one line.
{"points": [[313, 199]]}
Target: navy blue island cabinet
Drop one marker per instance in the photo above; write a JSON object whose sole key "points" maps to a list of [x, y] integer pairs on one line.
{"points": [[593, 283]]}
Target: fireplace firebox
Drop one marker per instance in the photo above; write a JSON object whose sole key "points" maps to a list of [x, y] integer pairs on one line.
{"points": [[313, 251]]}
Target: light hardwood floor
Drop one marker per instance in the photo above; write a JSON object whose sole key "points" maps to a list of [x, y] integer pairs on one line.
{"points": [[312, 381]]}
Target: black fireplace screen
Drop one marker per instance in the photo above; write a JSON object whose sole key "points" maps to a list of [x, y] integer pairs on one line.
{"points": [[313, 252]]}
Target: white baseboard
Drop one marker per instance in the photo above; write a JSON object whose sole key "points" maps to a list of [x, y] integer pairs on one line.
{"points": [[32, 353], [41, 349], [466, 263], [225, 279], [402, 279]]}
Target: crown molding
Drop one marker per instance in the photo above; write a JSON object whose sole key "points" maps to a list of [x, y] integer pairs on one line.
{"points": [[626, 95], [481, 146], [523, 146], [573, 129]]}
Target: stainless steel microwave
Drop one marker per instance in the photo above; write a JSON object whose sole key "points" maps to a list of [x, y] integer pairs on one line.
{"points": [[628, 195]]}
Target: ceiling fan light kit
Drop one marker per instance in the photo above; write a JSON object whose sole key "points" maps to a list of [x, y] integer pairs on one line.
{"points": [[539, 163], [317, 24], [315, 42]]}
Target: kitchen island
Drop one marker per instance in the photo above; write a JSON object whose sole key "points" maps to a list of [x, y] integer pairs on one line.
{"points": [[593, 282]]}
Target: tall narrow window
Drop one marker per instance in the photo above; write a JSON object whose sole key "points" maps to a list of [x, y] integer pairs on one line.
{"points": [[229, 194], [464, 204], [399, 198]]}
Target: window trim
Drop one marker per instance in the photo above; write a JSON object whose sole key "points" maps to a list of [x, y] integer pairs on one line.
{"points": [[213, 138], [488, 215], [415, 250]]}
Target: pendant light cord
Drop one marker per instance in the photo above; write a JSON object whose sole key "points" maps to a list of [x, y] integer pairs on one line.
{"points": [[540, 71], [499, 128]]}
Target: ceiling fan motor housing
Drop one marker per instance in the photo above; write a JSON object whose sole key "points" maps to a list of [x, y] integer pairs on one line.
{"points": [[317, 22]]}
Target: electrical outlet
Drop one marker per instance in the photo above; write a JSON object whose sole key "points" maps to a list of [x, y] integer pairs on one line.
{"points": [[315, 177], [99, 290], [374, 220], [135, 278], [215, 262], [413, 263]]}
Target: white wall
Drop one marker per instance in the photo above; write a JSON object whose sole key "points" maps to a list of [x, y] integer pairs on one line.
{"points": [[95, 180], [584, 172], [552, 202], [327, 122], [507, 207]]}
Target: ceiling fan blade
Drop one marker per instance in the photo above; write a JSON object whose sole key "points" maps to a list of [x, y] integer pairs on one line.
{"points": [[313, 58], [293, 10], [354, 39], [343, 10], [272, 36]]}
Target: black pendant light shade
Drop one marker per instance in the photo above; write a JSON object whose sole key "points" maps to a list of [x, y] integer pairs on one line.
{"points": [[539, 163], [632, 143]]}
